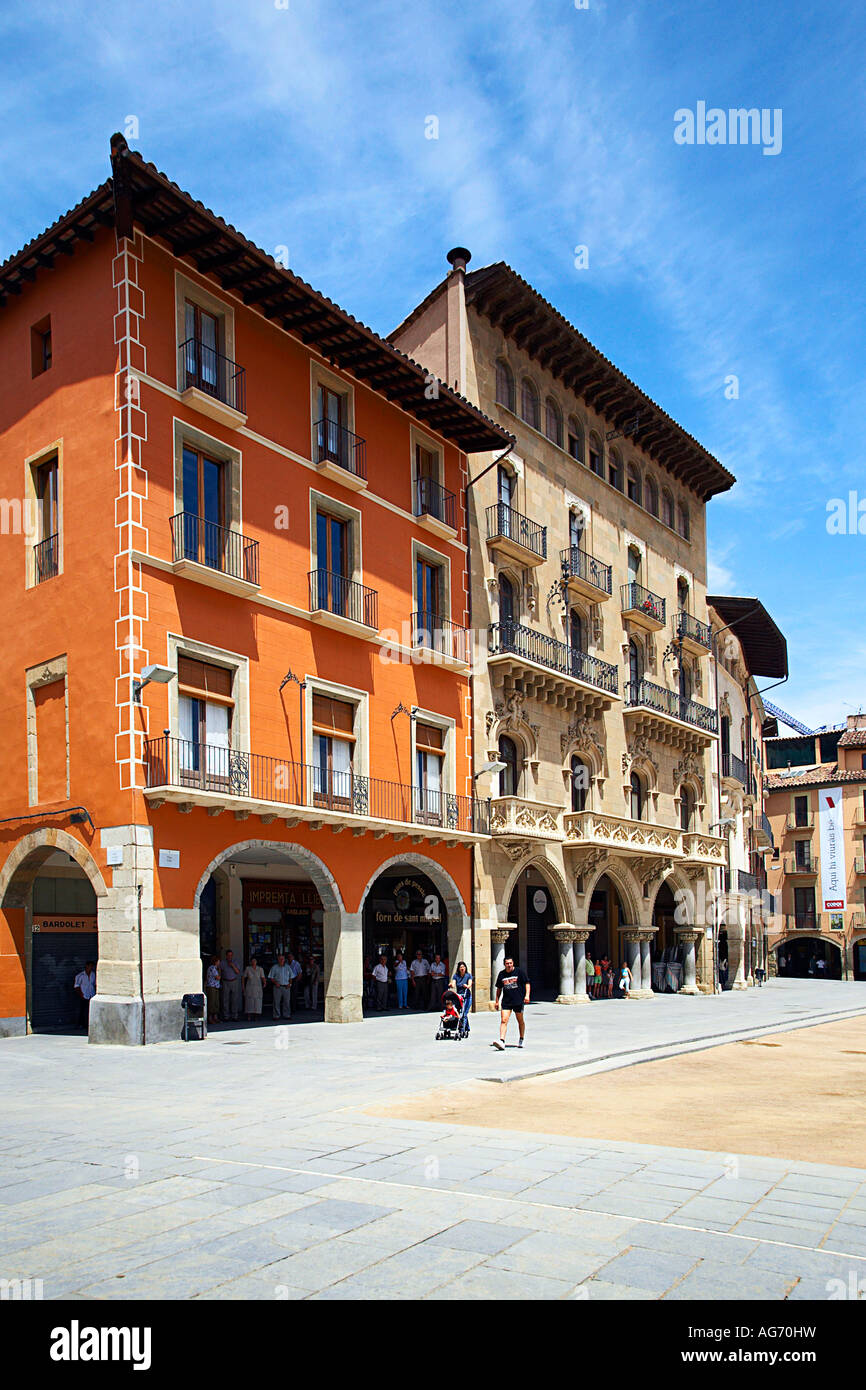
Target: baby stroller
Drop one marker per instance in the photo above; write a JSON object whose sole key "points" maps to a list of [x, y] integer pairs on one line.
{"points": [[451, 1020]]}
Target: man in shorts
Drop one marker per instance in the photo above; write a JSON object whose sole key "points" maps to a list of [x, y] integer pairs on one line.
{"points": [[513, 985]]}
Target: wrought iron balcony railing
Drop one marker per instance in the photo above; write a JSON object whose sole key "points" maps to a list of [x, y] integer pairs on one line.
{"points": [[767, 828], [669, 702], [432, 499], [635, 598], [803, 921], [335, 444], [687, 626], [207, 370], [345, 598], [579, 564], [557, 656], [800, 821], [735, 768], [801, 864], [746, 882], [441, 635], [217, 547], [200, 767], [46, 559], [505, 522]]}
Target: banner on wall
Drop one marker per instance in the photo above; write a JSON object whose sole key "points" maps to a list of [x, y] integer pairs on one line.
{"points": [[832, 851]]}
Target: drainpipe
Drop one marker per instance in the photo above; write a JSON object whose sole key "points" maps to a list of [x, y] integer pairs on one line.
{"points": [[141, 971]]}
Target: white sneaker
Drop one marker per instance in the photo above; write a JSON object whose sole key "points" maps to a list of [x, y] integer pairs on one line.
{"points": [[520, 1043], [499, 1044]]}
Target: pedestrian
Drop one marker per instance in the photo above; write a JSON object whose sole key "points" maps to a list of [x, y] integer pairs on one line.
{"points": [[230, 986], [513, 985], [84, 985], [438, 974], [254, 984], [596, 989], [462, 985], [624, 980], [420, 972], [590, 976], [401, 980], [311, 984], [295, 968], [369, 984], [380, 977], [212, 990], [606, 978], [280, 977]]}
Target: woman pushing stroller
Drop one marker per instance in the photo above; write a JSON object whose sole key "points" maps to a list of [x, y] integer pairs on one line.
{"points": [[461, 984]]}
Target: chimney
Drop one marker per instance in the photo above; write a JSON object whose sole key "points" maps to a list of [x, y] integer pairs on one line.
{"points": [[459, 258], [455, 322]]}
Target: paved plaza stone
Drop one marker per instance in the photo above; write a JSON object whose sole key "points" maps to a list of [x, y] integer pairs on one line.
{"points": [[257, 1171]]}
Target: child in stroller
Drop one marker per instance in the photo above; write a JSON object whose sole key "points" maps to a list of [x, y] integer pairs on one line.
{"points": [[450, 1019]]}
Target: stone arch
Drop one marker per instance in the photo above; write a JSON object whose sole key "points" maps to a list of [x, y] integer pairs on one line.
{"points": [[326, 884], [562, 898], [29, 854], [508, 717], [623, 881], [677, 884], [451, 895]]}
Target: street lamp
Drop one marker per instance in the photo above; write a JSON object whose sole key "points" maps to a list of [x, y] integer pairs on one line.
{"points": [[157, 675], [495, 765]]}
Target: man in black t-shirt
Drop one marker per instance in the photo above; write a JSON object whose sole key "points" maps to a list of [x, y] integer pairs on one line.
{"points": [[513, 985]]}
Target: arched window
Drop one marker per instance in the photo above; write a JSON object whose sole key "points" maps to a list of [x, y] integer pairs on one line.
{"points": [[595, 456], [651, 495], [529, 406], [576, 527], [509, 777], [635, 669], [633, 484], [581, 781], [553, 421], [685, 682], [576, 631], [687, 808], [637, 800], [684, 522], [634, 564], [575, 439], [667, 508], [614, 470], [504, 385], [506, 600], [683, 594]]}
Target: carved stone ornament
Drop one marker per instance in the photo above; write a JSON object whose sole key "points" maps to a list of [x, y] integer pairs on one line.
{"points": [[691, 768], [639, 750], [582, 734]]}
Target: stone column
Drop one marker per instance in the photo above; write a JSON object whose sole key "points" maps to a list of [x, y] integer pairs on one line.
{"points": [[690, 974], [634, 940], [344, 967], [565, 935], [498, 937], [581, 936], [738, 940], [646, 964]]}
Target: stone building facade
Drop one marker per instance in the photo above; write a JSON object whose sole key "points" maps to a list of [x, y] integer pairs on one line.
{"points": [[591, 683]]}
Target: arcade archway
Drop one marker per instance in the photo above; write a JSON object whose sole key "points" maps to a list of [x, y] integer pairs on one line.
{"points": [[809, 958]]}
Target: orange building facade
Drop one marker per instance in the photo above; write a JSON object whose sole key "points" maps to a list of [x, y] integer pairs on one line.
{"points": [[237, 677]]}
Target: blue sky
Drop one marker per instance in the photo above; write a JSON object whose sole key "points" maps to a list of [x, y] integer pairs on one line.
{"points": [[305, 127]]}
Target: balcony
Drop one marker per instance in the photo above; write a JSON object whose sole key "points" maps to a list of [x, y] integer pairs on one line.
{"points": [[696, 637], [441, 642], [764, 832], [46, 559], [586, 829], [516, 536], [747, 883], [342, 603], [709, 850], [585, 576], [800, 822], [858, 921], [549, 669], [516, 820], [803, 921], [190, 774], [803, 867], [860, 864], [667, 716], [213, 384], [646, 610], [435, 508], [734, 769], [340, 455], [214, 555]]}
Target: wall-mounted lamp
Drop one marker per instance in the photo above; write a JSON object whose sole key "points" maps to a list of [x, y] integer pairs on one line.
{"points": [[401, 709], [158, 675], [496, 765]]}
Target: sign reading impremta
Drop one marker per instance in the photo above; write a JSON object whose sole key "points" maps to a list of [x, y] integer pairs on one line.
{"points": [[833, 893]]}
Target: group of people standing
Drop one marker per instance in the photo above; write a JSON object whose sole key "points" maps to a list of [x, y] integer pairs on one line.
{"points": [[419, 983], [602, 976], [230, 990]]}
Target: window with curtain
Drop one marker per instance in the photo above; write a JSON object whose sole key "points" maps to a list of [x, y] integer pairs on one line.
{"points": [[637, 800], [205, 711], [529, 404], [333, 751], [635, 670], [633, 487], [580, 783], [576, 524], [429, 772], [505, 385], [667, 509], [509, 777], [332, 426], [687, 808], [506, 600], [553, 421], [204, 508], [203, 363]]}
